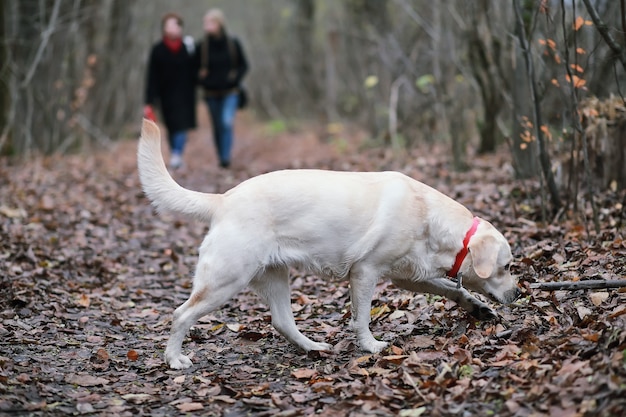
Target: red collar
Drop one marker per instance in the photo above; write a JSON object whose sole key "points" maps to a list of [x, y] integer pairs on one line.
{"points": [[460, 257]]}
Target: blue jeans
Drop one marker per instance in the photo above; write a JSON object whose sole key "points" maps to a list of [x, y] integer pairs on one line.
{"points": [[223, 111], [177, 141]]}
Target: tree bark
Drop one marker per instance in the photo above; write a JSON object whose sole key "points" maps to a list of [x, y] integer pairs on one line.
{"points": [[303, 29], [544, 157], [5, 95], [484, 54]]}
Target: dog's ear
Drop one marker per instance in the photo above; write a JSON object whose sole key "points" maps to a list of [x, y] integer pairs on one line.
{"points": [[484, 252]]}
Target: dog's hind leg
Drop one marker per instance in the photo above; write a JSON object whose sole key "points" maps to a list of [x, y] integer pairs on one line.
{"points": [[362, 285], [213, 286], [273, 287]]}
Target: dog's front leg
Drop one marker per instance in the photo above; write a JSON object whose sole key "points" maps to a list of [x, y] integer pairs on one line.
{"points": [[447, 288], [362, 286]]}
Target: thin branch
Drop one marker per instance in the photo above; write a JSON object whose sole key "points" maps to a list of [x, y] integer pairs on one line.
{"points": [[604, 32], [44, 43], [421, 22], [592, 284], [93, 130]]}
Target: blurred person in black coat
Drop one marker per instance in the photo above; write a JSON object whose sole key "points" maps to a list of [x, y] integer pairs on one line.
{"points": [[222, 65], [171, 85]]}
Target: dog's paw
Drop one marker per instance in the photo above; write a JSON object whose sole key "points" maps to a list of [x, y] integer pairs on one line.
{"points": [[373, 346], [179, 362], [321, 346], [483, 313]]}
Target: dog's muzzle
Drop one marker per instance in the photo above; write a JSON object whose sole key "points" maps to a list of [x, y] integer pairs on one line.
{"points": [[511, 295]]}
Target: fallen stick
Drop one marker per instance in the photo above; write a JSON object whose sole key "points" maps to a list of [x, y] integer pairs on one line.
{"points": [[591, 284]]}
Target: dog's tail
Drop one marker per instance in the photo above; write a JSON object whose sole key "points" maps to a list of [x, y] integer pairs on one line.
{"points": [[160, 187]]}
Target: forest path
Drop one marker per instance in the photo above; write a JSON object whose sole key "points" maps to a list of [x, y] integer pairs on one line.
{"points": [[90, 276]]}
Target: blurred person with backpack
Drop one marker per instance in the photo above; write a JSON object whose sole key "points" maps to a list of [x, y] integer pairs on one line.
{"points": [[222, 65], [171, 85]]}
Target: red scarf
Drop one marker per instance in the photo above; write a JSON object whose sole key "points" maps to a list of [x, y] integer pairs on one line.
{"points": [[173, 45]]}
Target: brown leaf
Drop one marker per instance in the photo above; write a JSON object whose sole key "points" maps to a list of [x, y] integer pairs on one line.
{"points": [[83, 300], [395, 359], [188, 407], [225, 399], [299, 398], [23, 378], [85, 380], [303, 373], [598, 298], [132, 355], [102, 355], [47, 203], [137, 398]]}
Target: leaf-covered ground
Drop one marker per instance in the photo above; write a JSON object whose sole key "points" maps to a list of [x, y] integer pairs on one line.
{"points": [[89, 277]]}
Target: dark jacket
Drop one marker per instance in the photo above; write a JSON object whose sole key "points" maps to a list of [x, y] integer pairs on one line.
{"points": [[172, 85], [226, 64]]}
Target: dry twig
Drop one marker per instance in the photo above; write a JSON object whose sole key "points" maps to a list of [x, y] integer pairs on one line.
{"points": [[592, 284]]}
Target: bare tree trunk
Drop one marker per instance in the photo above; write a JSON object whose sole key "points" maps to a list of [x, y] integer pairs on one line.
{"points": [[544, 158], [524, 149], [441, 90], [484, 54], [5, 95], [576, 122], [330, 75], [303, 29], [367, 21]]}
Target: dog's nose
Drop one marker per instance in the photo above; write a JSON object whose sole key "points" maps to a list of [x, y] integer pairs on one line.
{"points": [[512, 295]]}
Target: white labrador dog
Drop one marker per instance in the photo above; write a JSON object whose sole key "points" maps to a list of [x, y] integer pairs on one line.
{"points": [[360, 226]]}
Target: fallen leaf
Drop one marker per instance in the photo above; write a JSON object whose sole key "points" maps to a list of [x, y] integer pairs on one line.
{"points": [[414, 412], [23, 378], [395, 359], [303, 373], [598, 298], [583, 312], [102, 355], [225, 399], [83, 300], [12, 213], [137, 398], [188, 407], [234, 327], [84, 408], [85, 380]]}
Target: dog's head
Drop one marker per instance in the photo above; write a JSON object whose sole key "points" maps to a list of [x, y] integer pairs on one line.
{"points": [[489, 274]]}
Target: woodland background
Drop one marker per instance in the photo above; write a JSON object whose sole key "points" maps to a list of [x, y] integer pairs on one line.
{"points": [[513, 108], [408, 71]]}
